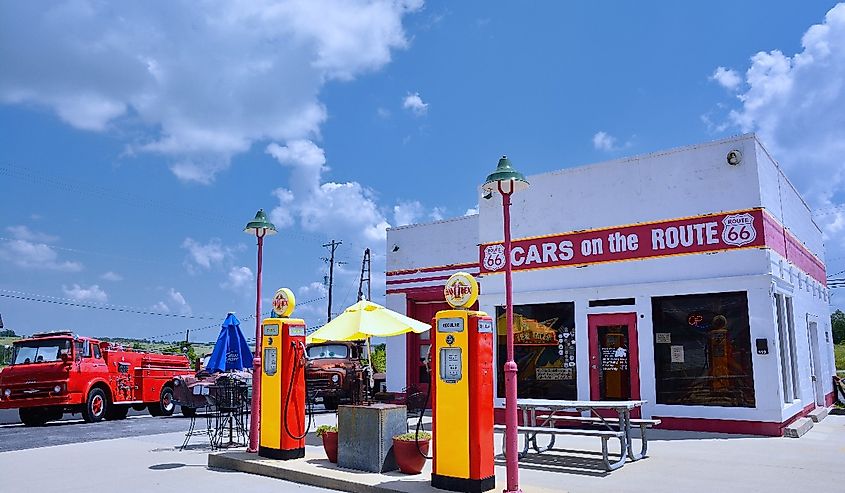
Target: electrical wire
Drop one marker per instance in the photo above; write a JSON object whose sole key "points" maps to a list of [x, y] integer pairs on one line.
{"points": [[137, 311]]}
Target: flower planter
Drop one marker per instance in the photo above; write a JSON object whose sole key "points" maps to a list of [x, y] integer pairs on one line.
{"points": [[408, 456], [330, 444]]}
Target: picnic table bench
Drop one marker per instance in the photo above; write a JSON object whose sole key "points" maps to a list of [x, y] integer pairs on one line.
{"points": [[535, 424]]}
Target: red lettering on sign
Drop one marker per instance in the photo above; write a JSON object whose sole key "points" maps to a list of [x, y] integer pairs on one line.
{"points": [[701, 234]]}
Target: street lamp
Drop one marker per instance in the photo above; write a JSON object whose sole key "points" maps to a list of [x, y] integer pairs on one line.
{"points": [[506, 181], [260, 227]]}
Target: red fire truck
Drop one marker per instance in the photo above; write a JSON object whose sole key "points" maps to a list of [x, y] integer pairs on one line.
{"points": [[58, 372]]}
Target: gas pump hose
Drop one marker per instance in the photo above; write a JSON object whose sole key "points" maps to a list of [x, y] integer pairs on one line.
{"points": [[419, 421], [309, 410]]}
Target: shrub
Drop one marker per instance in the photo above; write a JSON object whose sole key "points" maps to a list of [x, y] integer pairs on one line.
{"points": [[411, 437], [323, 429]]}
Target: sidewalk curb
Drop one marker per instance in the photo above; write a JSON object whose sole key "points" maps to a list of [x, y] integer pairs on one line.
{"points": [[243, 462]]}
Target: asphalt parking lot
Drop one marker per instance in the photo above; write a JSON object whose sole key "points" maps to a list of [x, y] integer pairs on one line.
{"points": [[72, 429]]}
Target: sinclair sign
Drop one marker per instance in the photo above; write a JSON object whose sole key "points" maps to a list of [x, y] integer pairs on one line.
{"points": [[700, 234]]}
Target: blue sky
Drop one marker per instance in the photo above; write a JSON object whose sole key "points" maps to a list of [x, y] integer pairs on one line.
{"points": [[138, 140]]}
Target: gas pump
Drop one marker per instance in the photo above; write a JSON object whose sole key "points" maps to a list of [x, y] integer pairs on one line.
{"points": [[283, 427], [463, 392]]}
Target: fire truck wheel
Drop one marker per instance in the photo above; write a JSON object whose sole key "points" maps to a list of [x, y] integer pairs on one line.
{"points": [[33, 416], [117, 412], [330, 403], [165, 404], [188, 412], [96, 406], [55, 414]]}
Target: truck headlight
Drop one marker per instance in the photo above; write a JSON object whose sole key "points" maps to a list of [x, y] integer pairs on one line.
{"points": [[57, 389], [335, 378], [7, 392]]}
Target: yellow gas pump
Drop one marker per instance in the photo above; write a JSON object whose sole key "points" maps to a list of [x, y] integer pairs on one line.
{"points": [[463, 392], [283, 426]]}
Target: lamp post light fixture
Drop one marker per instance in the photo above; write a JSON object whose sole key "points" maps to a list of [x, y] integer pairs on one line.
{"points": [[506, 181], [260, 227]]}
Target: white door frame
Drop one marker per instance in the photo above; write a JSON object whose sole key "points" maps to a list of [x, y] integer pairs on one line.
{"points": [[816, 362]]}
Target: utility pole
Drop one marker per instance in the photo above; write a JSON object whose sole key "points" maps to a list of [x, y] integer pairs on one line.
{"points": [[332, 247], [187, 336], [365, 270]]}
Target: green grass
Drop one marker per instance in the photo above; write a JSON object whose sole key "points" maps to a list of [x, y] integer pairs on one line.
{"points": [[839, 356]]}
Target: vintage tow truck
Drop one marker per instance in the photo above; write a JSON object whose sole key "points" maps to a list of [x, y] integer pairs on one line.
{"points": [[336, 374], [57, 372]]}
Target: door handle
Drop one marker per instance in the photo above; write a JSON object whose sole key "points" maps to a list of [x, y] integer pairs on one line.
{"points": [[594, 367]]}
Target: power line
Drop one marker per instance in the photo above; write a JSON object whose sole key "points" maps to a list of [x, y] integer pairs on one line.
{"points": [[137, 311]]}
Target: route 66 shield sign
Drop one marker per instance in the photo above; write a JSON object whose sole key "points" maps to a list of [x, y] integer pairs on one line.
{"points": [[738, 229], [494, 257]]}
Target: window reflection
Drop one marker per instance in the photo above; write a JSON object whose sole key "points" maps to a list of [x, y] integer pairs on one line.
{"points": [[544, 350], [702, 350]]}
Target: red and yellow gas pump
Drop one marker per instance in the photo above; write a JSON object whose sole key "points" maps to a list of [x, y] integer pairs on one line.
{"points": [[283, 427], [462, 400]]}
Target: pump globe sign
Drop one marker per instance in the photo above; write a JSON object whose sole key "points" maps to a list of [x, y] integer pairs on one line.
{"points": [[283, 302], [461, 290]]}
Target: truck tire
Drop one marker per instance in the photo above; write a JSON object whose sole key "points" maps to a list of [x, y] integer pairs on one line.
{"points": [[117, 412], [96, 406], [188, 412], [330, 403], [165, 405], [33, 416], [55, 414]]}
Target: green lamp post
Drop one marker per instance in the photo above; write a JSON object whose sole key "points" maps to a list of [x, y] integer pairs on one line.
{"points": [[260, 227], [506, 181]]}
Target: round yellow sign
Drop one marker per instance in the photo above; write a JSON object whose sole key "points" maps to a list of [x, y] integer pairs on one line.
{"points": [[283, 302], [461, 290]]}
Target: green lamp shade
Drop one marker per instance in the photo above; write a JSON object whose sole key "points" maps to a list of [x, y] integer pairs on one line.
{"points": [[260, 222], [505, 172]]}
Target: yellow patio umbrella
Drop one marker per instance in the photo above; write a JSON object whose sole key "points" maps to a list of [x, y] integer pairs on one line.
{"points": [[366, 319]]}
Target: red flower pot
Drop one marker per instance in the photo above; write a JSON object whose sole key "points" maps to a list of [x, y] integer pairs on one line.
{"points": [[408, 456], [330, 444]]}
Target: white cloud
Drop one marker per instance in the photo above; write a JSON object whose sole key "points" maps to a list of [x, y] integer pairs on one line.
{"points": [[727, 78], [407, 212], [383, 113], [791, 102], [345, 209], [281, 216], [160, 307], [206, 255], [175, 303], [415, 104], [111, 276], [604, 141], [201, 87], [472, 211], [26, 249], [91, 293], [25, 234], [238, 278], [314, 310]]}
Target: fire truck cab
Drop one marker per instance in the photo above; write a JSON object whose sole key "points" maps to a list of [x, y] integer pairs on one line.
{"points": [[58, 372]]}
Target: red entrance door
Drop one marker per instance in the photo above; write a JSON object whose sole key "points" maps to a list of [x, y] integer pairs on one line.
{"points": [[418, 374], [614, 357]]}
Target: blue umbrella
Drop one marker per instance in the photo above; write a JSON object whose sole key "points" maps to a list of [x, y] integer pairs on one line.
{"points": [[231, 351]]}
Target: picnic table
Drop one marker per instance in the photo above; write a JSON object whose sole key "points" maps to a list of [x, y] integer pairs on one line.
{"points": [[541, 416]]}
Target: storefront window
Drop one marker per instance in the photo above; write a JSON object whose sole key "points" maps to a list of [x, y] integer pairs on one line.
{"points": [[544, 350], [702, 350]]}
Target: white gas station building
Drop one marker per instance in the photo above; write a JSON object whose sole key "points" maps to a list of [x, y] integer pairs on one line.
{"points": [[691, 278]]}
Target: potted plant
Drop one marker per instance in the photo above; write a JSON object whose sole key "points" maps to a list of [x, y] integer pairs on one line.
{"points": [[411, 450], [329, 435]]}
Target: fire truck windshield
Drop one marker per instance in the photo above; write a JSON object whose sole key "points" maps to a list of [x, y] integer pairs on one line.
{"points": [[328, 351], [40, 351]]}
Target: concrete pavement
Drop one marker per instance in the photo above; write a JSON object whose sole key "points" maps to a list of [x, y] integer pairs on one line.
{"points": [[678, 461]]}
